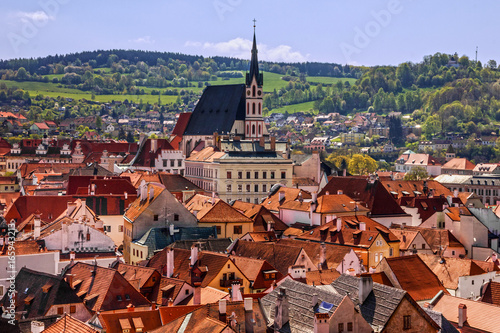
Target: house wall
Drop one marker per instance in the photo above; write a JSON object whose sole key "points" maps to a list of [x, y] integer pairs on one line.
{"points": [[289, 216], [138, 253], [381, 249], [470, 232], [419, 245], [182, 293], [470, 286], [112, 228], [304, 260], [346, 313], [230, 267], [171, 161], [415, 216], [73, 237], [389, 220], [309, 169], [350, 261], [227, 228], [81, 313], [488, 218], [418, 322]]}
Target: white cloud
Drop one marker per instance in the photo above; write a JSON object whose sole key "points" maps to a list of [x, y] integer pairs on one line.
{"points": [[37, 17], [143, 40], [240, 48]]}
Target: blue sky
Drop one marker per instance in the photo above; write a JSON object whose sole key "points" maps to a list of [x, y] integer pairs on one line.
{"points": [[360, 32]]}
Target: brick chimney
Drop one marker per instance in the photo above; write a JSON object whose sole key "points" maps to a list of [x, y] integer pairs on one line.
{"points": [[194, 254], [281, 310], [281, 195], [222, 310], [362, 226], [322, 254], [235, 292], [36, 227], [365, 288], [339, 224], [197, 293], [248, 304], [170, 262], [462, 314]]}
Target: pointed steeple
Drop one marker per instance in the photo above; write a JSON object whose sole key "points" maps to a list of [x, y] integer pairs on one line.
{"points": [[254, 64]]}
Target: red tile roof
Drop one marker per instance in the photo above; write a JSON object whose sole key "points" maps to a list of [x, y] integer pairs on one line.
{"points": [[379, 201], [181, 124], [221, 212], [491, 293], [272, 202], [413, 275], [321, 277], [69, 324], [338, 203], [410, 186], [117, 320], [459, 164], [102, 288]]}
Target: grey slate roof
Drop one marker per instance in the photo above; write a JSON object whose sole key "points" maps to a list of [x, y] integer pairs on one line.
{"points": [[380, 303], [446, 326], [159, 238], [301, 311], [217, 110]]}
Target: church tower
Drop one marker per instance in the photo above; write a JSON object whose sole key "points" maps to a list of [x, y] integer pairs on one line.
{"points": [[254, 123]]}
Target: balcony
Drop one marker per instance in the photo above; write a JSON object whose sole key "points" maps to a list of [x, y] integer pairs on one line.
{"points": [[229, 283]]}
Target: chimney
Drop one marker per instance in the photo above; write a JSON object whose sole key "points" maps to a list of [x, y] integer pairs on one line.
{"points": [[365, 288], [281, 310], [340, 192], [130, 308], [222, 310], [362, 226], [153, 305], [327, 193], [314, 196], [154, 145], [125, 194], [273, 143], [171, 229], [462, 315], [194, 254], [281, 195], [455, 193], [248, 303], [262, 142], [151, 193], [314, 301], [170, 262], [372, 270], [37, 326], [170, 302], [494, 257], [321, 323], [36, 227], [339, 224], [69, 279], [72, 255], [235, 292], [197, 293], [322, 254]]}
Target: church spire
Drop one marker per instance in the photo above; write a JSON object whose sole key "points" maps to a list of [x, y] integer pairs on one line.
{"points": [[254, 63]]}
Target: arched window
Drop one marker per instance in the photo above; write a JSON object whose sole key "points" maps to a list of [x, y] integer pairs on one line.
{"points": [[253, 108], [253, 91], [253, 129], [259, 129], [248, 129], [248, 108], [260, 112]]}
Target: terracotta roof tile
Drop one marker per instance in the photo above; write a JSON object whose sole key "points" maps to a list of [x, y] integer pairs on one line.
{"points": [[381, 278], [459, 164], [480, 315], [139, 206], [171, 286], [194, 321], [272, 202], [378, 199], [279, 256], [131, 273], [321, 277], [449, 270], [413, 275], [338, 203], [436, 238], [221, 212], [104, 288], [491, 293], [118, 320], [69, 324]]}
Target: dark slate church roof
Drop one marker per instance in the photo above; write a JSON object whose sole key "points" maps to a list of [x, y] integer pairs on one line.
{"points": [[217, 110]]}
